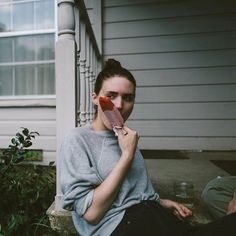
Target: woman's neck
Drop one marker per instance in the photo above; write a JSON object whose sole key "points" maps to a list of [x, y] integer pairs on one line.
{"points": [[97, 125]]}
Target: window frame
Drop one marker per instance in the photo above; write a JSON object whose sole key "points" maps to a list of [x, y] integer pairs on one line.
{"points": [[29, 100]]}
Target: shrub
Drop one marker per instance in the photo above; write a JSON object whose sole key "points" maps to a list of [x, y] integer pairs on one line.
{"points": [[26, 190]]}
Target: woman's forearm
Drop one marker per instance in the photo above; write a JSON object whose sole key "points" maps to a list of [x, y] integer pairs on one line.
{"points": [[106, 192]]}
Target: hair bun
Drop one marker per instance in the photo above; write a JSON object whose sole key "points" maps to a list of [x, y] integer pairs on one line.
{"points": [[112, 63]]}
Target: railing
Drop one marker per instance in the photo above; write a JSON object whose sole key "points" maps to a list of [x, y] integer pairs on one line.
{"points": [[78, 58], [88, 41]]}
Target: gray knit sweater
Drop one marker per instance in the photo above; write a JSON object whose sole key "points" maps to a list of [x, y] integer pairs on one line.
{"points": [[86, 159]]}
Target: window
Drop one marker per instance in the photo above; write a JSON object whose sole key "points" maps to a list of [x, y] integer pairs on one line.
{"points": [[27, 46]]}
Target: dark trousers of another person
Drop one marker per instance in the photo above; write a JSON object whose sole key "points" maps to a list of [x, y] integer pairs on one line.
{"points": [[151, 219]]}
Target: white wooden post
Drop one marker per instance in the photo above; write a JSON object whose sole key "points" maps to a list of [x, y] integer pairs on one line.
{"points": [[91, 80], [78, 44], [66, 93], [82, 76], [87, 75]]}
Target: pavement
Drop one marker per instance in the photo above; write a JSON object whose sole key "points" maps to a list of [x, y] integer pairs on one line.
{"points": [[196, 168]]}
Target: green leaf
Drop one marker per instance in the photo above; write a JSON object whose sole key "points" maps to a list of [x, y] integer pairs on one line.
{"points": [[20, 137], [51, 163], [27, 144], [13, 141], [25, 131]]}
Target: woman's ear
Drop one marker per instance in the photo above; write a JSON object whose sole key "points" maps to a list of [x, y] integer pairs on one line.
{"points": [[95, 98]]}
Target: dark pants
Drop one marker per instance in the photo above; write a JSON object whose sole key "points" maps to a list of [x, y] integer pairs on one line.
{"points": [[151, 219]]}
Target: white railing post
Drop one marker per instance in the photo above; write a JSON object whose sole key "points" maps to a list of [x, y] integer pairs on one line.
{"points": [[78, 44], [82, 75], [66, 87], [87, 75], [92, 81]]}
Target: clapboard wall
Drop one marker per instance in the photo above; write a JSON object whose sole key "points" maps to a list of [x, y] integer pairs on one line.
{"points": [[36, 118], [183, 55]]}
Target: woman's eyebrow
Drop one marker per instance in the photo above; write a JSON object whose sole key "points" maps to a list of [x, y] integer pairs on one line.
{"points": [[115, 93], [129, 94], [111, 93]]}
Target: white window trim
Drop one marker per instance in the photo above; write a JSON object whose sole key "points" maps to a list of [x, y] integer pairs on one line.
{"points": [[22, 63], [26, 33], [28, 101]]}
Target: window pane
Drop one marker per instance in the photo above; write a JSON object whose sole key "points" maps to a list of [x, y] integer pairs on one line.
{"points": [[45, 47], [44, 14], [24, 48], [6, 84], [6, 0], [34, 77], [25, 80], [46, 81], [5, 18], [23, 16], [5, 50]]}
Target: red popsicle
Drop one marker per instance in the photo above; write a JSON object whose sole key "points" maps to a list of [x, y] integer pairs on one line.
{"points": [[112, 113]]}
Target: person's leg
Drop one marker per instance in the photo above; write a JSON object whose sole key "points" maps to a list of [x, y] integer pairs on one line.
{"points": [[221, 227], [134, 222], [217, 194], [150, 219]]}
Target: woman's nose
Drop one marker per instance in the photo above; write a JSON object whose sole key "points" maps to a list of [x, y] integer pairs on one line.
{"points": [[118, 103]]}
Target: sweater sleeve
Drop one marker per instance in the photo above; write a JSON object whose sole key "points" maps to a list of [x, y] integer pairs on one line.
{"points": [[77, 177]]}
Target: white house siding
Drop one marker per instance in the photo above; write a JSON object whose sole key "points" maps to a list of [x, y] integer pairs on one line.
{"points": [[183, 56], [40, 119]]}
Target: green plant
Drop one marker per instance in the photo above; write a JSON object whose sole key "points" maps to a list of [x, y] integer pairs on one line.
{"points": [[27, 190]]}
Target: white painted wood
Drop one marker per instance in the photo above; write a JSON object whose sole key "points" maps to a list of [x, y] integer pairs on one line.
{"points": [[185, 128], [34, 101], [179, 59], [174, 43], [112, 3], [28, 114], [154, 9], [185, 76], [87, 78], [97, 23], [43, 127], [91, 76], [182, 55], [82, 75], [66, 93], [48, 157], [157, 27], [39, 119], [184, 111], [66, 86], [187, 143], [213, 93]]}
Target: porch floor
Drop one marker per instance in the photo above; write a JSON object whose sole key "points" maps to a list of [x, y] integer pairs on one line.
{"points": [[164, 171], [197, 167]]}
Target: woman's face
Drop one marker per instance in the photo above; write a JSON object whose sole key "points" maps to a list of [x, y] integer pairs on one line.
{"points": [[121, 92]]}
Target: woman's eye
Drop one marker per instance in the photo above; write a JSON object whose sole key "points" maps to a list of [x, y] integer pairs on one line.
{"points": [[110, 96], [129, 98]]}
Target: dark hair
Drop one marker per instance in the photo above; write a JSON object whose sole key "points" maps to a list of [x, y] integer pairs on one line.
{"points": [[112, 68]]}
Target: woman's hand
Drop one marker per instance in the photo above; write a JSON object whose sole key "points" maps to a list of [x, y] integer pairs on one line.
{"points": [[178, 209], [127, 141]]}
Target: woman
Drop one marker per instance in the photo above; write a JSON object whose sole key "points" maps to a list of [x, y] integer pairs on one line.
{"points": [[104, 178]]}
